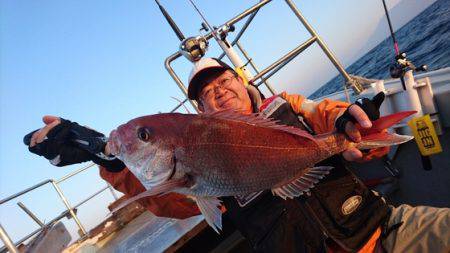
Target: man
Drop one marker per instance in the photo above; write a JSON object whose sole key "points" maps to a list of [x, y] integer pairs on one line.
{"points": [[339, 213]]}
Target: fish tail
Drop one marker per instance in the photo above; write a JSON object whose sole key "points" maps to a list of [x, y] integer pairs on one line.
{"points": [[382, 140], [377, 136]]}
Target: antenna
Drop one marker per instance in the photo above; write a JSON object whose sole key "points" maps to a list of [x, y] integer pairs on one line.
{"points": [[170, 21]]}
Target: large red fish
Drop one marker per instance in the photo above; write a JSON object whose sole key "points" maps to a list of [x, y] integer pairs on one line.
{"points": [[226, 154]]}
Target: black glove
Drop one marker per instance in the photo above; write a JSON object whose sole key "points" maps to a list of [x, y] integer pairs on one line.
{"points": [[69, 143], [370, 107]]}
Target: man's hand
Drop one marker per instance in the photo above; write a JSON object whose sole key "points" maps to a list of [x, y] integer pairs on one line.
{"points": [[353, 154], [362, 112], [41, 134], [64, 142]]}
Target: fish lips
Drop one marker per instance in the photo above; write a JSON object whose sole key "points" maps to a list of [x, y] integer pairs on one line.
{"points": [[114, 143]]}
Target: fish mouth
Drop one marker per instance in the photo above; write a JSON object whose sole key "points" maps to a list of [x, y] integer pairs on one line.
{"points": [[113, 144]]}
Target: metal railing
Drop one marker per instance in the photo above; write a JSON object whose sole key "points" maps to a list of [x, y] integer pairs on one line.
{"points": [[69, 213], [269, 71]]}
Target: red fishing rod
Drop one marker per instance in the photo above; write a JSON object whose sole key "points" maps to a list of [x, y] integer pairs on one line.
{"points": [[396, 49]]}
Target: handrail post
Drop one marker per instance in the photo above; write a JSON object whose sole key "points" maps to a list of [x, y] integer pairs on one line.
{"points": [[325, 49], [27, 211], [7, 241], [69, 208], [111, 189], [250, 60], [177, 80]]}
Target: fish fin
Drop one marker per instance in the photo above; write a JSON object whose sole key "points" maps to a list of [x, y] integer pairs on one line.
{"points": [[258, 119], [382, 140], [302, 184], [376, 136], [384, 122], [209, 206], [163, 188]]}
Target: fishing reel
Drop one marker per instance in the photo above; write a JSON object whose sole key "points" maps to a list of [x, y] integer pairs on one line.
{"points": [[402, 65], [223, 31], [194, 48]]}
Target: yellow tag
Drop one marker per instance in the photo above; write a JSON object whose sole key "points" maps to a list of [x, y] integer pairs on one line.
{"points": [[425, 135], [241, 74]]}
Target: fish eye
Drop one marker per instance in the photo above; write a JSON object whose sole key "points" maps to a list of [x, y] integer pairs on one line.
{"points": [[144, 134]]}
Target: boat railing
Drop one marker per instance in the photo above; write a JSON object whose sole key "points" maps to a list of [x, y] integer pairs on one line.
{"points": [[262, 76], [70, 212]]}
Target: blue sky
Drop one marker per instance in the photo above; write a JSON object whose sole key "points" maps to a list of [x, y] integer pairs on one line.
{"points": [[100, 63]]}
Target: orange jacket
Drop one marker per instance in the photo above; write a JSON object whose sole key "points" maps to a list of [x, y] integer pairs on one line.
{"points": [[320, 116]]}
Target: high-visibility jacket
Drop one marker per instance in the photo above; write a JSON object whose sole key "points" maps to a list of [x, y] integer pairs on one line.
{"points": [[321, 116]]}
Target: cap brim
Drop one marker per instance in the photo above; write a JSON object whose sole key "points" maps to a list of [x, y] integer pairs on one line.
{"points": [[195, 86]]}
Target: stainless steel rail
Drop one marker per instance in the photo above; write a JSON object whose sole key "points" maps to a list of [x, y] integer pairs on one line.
{"points": [[286, 57], [74, 173], [31, 214], [7, 240], [59, 217], [243, 29], [24, 191], [177, 80], [276, 66], [208, 36], [324, 47], [251, 62], [69, 208], [90, 197], [70, 212]]}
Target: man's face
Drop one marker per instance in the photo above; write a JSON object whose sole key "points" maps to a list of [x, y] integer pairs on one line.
{"points": [[224, 91]]}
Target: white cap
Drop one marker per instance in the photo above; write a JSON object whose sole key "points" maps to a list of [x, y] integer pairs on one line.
{"points": [[198, 71]]}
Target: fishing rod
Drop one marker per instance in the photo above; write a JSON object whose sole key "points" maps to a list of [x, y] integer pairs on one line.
{"points": [[171, 22], [220, 35], [397, 51], [398, 70], [394, 40], [402, 64], [193, 48]]}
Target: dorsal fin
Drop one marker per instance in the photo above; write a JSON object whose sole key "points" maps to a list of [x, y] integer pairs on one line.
{"points": [[258, 119]]}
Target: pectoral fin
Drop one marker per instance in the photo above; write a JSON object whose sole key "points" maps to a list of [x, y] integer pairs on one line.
{"points": [[210, 208], [299, 185], [163, 188]]}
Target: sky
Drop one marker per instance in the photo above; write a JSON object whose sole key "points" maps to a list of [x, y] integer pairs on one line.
{"points": [[101, 63]]}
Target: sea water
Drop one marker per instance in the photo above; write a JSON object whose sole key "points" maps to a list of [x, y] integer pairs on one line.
{"points": [[425, 39]]}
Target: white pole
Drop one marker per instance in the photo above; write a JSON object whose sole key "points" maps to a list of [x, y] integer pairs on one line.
{"points": [[385, 108], [234, 58]]}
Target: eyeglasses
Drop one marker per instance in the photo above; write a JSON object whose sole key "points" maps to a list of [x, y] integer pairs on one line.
{"points": [[210, 90]]}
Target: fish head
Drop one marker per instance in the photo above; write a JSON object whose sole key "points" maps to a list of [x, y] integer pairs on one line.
{"points": [[145, 145]]}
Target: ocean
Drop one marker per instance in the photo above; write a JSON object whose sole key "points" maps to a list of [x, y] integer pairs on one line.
{"points": [[425, 39]]}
